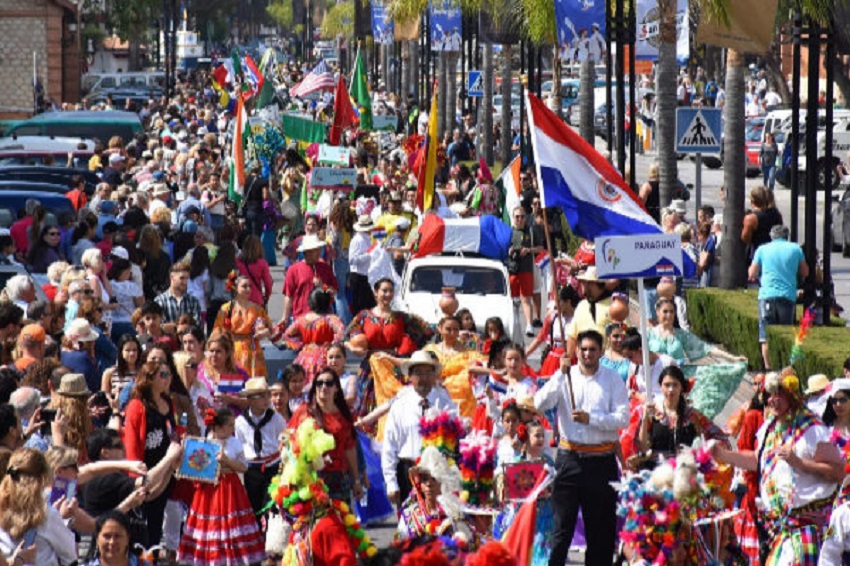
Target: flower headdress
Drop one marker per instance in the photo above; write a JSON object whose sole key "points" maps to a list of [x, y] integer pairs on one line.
{"points": [[230, 285], [477, 468], [442, 431], [209, 417]]}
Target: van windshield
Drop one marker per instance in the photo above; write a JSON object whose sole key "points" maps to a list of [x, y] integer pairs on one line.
{"points": [[466, 280]]}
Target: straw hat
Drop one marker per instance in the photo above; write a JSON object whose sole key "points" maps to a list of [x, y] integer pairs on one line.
{"points": [[311, 242], [816, 384], [255, 386], [420, 358], [589, 275], [527, 404], [364, 223], [81, 331], [73, 385]]}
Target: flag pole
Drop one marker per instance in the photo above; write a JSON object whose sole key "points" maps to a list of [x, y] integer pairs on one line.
{"points": [[524, 80]]}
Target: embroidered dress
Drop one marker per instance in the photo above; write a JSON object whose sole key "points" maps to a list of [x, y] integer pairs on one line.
{"points": [[221, 528], [311, 335], [242, 324]]}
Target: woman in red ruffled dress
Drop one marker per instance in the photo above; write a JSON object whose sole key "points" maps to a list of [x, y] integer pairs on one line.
{"points": [[555, 325], [313, 333], [382, 329], [221, 528]]}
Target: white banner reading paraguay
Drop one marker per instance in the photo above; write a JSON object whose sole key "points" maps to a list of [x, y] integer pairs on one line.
{"points": [[645, 255]]}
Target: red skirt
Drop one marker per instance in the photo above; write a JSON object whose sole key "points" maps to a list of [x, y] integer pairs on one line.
{"points": [[552, 362], [221, 528]]}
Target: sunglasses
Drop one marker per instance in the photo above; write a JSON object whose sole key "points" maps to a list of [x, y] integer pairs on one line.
{"points": [[53, 233], [839, 400], [88, 291], [324, 383], [164, 374]]}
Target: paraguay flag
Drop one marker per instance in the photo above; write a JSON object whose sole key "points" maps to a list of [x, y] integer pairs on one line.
{"points": [[485, 235], [573, 176]]}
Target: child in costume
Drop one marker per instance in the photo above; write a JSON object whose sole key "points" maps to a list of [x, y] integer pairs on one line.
{"points": [[221, 528]]}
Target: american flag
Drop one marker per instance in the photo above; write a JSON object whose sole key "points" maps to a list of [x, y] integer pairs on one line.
{"points": [[320, 78]]}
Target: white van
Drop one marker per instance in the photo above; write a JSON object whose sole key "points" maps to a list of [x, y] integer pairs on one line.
{"points": [[129, 80]]}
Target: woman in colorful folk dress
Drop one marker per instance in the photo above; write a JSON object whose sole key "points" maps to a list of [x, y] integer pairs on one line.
{"points": [[312, 334], [248, 323]]}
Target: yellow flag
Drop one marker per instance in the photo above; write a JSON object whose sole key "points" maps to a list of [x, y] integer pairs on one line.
{"points": [[426, 181]]}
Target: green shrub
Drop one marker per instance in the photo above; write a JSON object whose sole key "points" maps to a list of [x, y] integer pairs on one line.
{"points": [[731, 318]]}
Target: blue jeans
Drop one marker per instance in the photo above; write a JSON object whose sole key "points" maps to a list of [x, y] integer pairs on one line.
{"points": [[341, 269], [769, 174], [776, 310]]}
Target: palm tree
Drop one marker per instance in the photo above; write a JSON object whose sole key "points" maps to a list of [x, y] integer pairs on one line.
{"points": [[665, 85], [507, 139], [539, 19], [485, 118], [587, 80]]}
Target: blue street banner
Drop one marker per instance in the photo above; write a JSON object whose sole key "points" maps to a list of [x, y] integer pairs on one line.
{"points": [[382, 26], [581, 30], [446, 25], [646, 35]]}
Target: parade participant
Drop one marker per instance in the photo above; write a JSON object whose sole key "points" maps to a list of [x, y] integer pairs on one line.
{"points": [[304, 276], [326, 406], [521, 267], [312, 333], [777, 267], [402, 439], [799, 470], [219, 372], [359, 260], [586, 461], [382, 329], [175, 300], [294, 379], [632, 349], [745, 524], [554, 327], [350, 381], [665, 429], [323, 530], [258, 428], [614, 358], [433, 507], [221, 529], [836, 545], [247, 324], [252, 264]]}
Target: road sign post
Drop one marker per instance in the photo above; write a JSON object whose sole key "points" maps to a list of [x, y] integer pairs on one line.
{"points": [[475, 84], [698, 131]]}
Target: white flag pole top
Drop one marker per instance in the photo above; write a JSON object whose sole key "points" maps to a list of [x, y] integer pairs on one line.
{"points": [[644, 340]]}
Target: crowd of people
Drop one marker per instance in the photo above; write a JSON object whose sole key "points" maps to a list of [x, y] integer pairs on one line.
{"points": [[143, 321]]}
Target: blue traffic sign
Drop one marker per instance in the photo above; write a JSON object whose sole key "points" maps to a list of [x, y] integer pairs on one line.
{"points": [[698, 130], [475, 84]]}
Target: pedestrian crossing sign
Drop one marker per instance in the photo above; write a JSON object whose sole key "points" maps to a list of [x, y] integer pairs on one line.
{"points": [[698, 130], [475, 84]]}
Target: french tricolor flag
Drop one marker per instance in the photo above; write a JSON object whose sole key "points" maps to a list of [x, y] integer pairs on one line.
{"points": [[485, 235], [573, 176], [542, 260]]}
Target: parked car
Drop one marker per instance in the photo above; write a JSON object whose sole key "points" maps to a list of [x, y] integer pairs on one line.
{"points": [[841, 224], [481, 285], [33, 186], [51, 175], [89, 124], [11, 201]]}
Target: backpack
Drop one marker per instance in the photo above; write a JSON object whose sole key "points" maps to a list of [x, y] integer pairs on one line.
{"points": [[711, 89]]}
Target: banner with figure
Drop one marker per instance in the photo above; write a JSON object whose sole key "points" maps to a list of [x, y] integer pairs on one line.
{"points": [[648, 25], [446, 25], [382, 25], [581, 30]]}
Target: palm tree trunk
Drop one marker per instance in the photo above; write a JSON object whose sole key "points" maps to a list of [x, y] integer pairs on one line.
{"points": [[413, 68], [443, 86], [665, 78], [733, 266], [555, 97], [587, 79], [485, 110], [385, 65], [404, 69], [451, 94], [507, 138]]}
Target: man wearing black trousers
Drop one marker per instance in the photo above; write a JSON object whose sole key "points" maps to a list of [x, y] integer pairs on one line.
{"points": [[586, 462]]}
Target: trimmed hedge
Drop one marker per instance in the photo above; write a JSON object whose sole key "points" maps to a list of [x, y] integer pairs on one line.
{"points": [[731, 318]]}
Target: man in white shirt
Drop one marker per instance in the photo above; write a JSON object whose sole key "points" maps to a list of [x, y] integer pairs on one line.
{"points": [[359, 259], [402, 440], [592, 404]]}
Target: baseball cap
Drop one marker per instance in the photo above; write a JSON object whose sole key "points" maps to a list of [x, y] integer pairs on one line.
{"points": [[33, 333], [120, 251], [116, 157]]}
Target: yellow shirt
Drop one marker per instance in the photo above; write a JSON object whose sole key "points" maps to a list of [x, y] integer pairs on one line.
{"points": [[583, 319]]}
